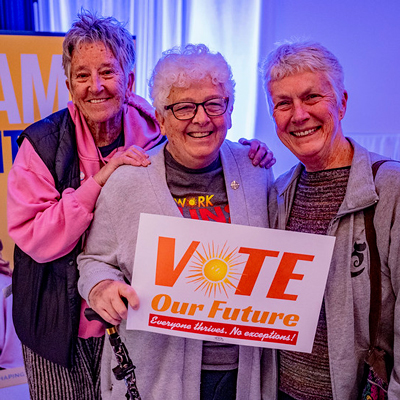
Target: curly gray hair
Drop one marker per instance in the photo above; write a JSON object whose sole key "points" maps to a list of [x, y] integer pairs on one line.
{"points": [[180, 66]]}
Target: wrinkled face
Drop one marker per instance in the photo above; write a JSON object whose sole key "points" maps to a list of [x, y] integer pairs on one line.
{"points": [[307, 115], [98, 85], [195, 143]]}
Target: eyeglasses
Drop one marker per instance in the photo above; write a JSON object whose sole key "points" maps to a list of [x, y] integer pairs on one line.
{"points": [[187, 110]]}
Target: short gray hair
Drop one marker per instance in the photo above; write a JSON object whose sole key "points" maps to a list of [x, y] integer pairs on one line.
{"points": [[295, 57], [90, 28], [180, 66]]}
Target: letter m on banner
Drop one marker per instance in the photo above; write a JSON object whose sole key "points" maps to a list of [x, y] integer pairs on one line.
{"points": [[32, 81]]}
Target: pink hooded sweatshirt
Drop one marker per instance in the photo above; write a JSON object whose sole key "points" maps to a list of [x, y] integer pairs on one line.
{"points": [[46, 225]]}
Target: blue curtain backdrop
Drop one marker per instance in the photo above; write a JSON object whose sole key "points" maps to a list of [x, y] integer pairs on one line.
{"points": [[17, 15], [364, 34]]}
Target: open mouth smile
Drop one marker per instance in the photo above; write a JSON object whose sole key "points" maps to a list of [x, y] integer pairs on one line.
{"points": [[199, 135], [97, 101], [305, 132]]}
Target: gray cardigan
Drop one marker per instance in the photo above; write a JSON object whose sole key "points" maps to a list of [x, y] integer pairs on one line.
{"points": [[167, 367], [347, 291]]}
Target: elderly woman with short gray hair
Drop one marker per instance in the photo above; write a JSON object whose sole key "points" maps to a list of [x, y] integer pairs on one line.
{"points": [[328, 193], [193, 93], [61, 166]]}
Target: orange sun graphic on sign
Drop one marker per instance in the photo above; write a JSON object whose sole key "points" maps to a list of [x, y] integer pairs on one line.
{"points": [[214, 269]]}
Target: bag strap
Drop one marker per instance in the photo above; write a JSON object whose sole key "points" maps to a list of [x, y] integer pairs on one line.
{"points": [[375, 267]]}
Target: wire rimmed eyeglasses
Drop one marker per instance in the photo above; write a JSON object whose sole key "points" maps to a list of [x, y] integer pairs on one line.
{"points": [[187, 110]]}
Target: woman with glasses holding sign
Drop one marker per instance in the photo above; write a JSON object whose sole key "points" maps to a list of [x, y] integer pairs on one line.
{"points": [[193, 93]]}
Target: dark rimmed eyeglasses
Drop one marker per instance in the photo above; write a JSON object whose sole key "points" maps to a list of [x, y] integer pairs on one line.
{"points": [[187, 110]]}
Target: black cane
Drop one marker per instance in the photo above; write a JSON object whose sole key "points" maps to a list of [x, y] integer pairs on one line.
{"points": [[125, 369]]}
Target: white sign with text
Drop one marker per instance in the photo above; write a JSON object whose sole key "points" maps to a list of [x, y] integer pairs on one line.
{"points": [[229, 283]]}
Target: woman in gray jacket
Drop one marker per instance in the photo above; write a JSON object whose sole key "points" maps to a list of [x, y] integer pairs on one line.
{"points": [[327, 193], [193, 93]]}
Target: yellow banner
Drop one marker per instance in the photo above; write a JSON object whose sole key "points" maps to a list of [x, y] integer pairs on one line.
{"points": [[32, 86]]}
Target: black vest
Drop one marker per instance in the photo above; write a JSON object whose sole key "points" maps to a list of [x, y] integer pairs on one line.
{"points": [[46, 302]]}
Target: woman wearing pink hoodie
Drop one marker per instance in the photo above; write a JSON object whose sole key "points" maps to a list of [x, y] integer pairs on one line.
{"points": [[62, 164]]}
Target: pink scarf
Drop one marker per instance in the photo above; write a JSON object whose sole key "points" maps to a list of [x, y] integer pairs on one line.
{"points": [[140, 128]]}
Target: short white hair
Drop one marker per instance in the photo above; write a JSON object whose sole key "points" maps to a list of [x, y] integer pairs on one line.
{"points": [[180, 66], [291, 58]]}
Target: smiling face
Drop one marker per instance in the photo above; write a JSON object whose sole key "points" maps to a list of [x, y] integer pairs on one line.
{"points": [[98, 86], [195, 143], [307, 118]]}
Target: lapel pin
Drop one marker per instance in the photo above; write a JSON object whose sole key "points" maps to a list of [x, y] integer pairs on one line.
{"points": [[234, 185]]}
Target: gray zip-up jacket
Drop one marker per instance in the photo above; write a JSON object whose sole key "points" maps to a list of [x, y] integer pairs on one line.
{"points": [[347, 291], [168, 367]]}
